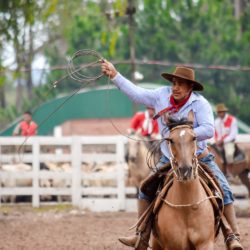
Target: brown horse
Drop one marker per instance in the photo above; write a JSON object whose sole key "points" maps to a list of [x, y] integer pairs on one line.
{"points": [[138, 148], [186, 218], [241, 169]]}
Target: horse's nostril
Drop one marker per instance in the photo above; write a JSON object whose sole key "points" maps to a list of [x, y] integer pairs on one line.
{"points": [[185, 171]]}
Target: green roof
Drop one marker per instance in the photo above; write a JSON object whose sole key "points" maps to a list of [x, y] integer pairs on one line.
{"points": [[101, 102]]}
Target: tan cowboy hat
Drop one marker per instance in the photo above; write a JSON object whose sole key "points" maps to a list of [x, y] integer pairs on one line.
{"points": [[186, 74], [221, 108]]}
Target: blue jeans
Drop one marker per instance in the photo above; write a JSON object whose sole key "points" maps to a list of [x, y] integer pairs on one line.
{"points": [[208, 160]]}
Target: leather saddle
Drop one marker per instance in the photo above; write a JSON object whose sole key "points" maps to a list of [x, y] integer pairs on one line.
{"points": [[158, 185]]}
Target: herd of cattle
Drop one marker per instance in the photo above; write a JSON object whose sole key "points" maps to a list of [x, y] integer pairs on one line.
{"points": [[8, 180]]}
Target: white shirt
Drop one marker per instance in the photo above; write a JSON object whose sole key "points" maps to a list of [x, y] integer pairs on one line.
{"points": [[160, 99], [226, 129]]}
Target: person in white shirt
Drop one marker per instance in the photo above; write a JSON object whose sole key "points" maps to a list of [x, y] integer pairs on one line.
{"points": [[226, 131]]}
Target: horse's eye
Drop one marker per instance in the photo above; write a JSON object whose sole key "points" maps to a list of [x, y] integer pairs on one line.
{"points": [[194, 138]]}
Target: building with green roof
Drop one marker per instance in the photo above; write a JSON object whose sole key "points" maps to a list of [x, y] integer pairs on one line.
{"points": [[101, 102]]}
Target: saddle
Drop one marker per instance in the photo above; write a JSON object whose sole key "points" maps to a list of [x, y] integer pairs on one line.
{"points": [[165, 181]]}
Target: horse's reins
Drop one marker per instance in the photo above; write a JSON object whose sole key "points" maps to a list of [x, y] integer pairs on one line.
{"points": [[195, 204]]}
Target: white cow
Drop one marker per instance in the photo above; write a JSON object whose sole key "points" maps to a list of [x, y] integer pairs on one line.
{"points": [[60, 183], [8, 180], [102, 169]]}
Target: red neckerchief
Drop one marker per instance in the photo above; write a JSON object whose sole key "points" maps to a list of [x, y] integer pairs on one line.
{"points": [[173, 108]]}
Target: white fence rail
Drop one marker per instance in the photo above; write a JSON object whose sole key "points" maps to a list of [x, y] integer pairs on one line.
{"points": [[82, 196], [75, 157]]}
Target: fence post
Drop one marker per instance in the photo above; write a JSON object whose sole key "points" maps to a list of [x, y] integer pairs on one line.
{"points": [[76, 152], [121, 191], [35, 170]]}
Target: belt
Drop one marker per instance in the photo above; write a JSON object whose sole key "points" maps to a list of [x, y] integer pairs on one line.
{"points": [[203, 154]]}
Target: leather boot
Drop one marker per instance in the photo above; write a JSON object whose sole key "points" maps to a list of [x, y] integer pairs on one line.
{"points": [[232, 240], [139, 241]]}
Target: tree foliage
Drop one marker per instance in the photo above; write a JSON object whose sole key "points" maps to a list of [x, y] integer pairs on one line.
{"points": [[201, 33]]}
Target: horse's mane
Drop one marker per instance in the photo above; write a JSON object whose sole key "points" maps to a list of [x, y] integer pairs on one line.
{"points": [[174, 122]]}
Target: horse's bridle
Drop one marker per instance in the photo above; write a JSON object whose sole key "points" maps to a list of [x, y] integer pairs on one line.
{"points": [[174, 162], [174, 166]]}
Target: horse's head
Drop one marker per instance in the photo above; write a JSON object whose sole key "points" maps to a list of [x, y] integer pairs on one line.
{"points": [[136, 145], [182, 147]]}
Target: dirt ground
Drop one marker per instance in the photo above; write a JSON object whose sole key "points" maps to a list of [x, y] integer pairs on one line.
{"points": [[66, 228]]}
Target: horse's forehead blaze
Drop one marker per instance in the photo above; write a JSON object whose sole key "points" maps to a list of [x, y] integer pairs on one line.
{"points": [[182, 133]]}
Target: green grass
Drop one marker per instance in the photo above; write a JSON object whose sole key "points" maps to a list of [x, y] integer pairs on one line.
{"points": [[53, 208], [9, 209]]}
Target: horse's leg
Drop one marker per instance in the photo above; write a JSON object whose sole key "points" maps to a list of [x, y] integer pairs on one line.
{"points": [[206, 246], [155, 244], [245, 180]]}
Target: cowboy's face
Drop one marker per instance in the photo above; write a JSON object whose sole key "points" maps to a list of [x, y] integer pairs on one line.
{"points": [[181, 89], [221, 114]]}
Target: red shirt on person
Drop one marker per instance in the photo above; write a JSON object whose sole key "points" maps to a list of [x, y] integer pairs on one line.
{"points": [[143, 122], [26, 127]]}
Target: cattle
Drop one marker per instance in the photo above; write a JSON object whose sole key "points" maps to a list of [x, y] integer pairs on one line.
{"points": [[8, 180]]}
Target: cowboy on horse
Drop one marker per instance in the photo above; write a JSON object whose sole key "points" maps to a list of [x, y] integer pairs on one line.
{"points": [[226, 131], [178, 100]]}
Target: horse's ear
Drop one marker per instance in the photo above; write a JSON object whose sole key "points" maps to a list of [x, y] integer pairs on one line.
{"points": [[190, 116]]}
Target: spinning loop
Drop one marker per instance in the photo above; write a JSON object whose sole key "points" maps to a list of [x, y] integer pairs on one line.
{"points": [[84, 66]]}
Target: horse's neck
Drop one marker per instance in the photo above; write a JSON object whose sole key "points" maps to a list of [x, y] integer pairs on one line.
{"points": [[142, 151], [186, 191]]}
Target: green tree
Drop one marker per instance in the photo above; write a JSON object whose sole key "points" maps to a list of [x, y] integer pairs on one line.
{"points": [[197, 33]]}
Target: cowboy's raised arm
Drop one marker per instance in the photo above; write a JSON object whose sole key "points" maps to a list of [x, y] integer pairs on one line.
{"points": [[135, 93]]}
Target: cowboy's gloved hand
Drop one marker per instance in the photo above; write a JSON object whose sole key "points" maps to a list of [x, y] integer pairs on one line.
{"points": [[108, 69]]}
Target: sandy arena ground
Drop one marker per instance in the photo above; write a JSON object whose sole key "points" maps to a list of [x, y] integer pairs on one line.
{"points": [[66, 228]]}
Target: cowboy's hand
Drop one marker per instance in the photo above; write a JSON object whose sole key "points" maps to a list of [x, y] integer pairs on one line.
{"points": [[108, 69]]}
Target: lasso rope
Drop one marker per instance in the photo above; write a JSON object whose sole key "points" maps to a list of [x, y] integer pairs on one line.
{"points": [[79, 74], [75, 74]]}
